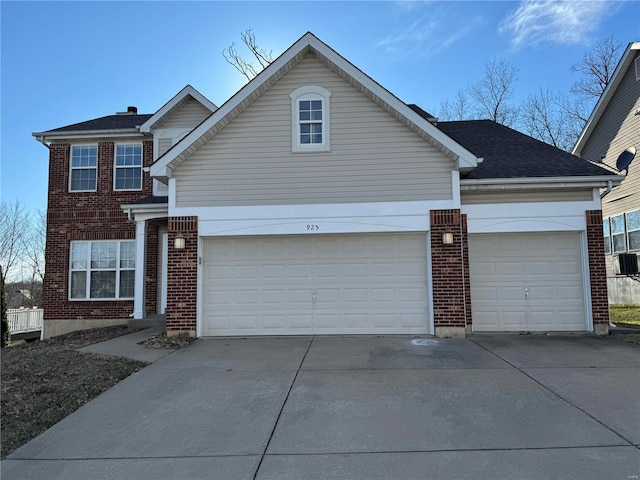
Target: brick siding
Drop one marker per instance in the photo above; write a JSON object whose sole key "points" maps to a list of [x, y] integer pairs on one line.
{"points": [[450, 270], [597, 268], [182, 275], [89, 216]]}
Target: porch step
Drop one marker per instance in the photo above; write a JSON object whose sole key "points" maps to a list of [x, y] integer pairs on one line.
{"points": [[151, 321]]}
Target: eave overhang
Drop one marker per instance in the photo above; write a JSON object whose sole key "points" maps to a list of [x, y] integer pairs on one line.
{"points": [[87, 134]]}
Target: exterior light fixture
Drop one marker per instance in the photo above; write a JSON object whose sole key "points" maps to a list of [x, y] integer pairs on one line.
{"points": [[447, 238], [179, 243]]}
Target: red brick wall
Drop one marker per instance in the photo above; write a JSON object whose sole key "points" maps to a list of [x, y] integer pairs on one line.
{"points": [[87, 216], [467, 278], [597, 268], [182, 275], [449, 270]]}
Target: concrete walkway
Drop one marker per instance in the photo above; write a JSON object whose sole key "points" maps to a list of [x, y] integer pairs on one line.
{"points": [[487, 407]]}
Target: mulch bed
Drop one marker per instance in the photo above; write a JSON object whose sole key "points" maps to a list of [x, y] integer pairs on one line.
{"points": [[44, 381]]}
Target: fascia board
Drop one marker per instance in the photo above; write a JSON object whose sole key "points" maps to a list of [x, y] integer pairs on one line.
{"points": [[623, 65], [539, 183], [188, 90], [146, 208]]}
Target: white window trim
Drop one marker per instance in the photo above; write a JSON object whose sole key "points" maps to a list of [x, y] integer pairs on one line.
{"points": [[310, 92], [116, 167], [88, 270], [72, 168]]}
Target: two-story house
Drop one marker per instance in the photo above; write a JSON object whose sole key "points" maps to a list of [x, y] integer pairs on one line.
{"points": [[612, 131], [314, 201]]}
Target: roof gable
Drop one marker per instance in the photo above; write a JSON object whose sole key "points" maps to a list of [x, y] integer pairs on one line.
{"points": [[626, 62], [174, 105], [309, 44]]}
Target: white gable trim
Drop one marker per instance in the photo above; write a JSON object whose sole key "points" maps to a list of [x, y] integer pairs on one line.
{"points": [[174, 104], [309, 43], [626, 62]]}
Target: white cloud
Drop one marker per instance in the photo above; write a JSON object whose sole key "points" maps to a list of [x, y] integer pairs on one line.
{"points": [[429, 34], [552, 21]]}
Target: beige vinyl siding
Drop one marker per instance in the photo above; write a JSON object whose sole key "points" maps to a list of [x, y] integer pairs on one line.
{"points": [[520, 197], [617, 130], [164, 144], [373, 157], [191, 114]]}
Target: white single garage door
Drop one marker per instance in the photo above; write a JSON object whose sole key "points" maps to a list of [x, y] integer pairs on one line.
{"points": [[527, 282], [316, 284]]}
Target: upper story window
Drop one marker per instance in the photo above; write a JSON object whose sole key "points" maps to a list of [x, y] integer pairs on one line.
{"points": [[128, 167], [310, 119], [84, 168]]}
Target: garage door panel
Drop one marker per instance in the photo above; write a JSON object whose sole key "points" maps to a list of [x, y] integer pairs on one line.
{"points": [[315, 284], [547, 267]]}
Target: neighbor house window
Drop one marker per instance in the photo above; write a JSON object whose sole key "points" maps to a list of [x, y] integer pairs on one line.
{"points": [[606, 229], [84, 168], [103, 270], [128, 175], [618, 234], [633, 230], [310, 119]]}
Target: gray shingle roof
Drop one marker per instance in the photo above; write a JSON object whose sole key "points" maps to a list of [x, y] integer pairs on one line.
{"points": [[511, 154], [110, 122]]}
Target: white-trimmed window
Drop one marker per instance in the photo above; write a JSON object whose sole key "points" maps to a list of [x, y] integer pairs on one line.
{"points": [[84, 168], [606, 230], [633, 230], [310, 119], [618, 234], [102, 270], [128, 167]]}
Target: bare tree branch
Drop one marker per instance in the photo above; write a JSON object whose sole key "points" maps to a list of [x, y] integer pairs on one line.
{"points": [[14, 225], [457, 109], [246, 67], [596, 68], [494, 92]]}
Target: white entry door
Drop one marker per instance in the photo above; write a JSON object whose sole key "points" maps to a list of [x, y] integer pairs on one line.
{"points": [[527, 282], [316, 284]]}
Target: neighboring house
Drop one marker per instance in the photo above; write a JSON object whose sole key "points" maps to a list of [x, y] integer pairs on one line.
{"points": [[316, 202], [613, 127]]}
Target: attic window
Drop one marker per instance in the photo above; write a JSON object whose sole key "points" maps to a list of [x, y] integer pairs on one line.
{"points": [[310, 119]]}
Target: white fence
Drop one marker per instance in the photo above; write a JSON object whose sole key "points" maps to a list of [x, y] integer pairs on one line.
{"points": [[24, 320]]}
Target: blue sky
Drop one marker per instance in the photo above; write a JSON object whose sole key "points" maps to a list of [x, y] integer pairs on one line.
{"points": [[66, 62]]}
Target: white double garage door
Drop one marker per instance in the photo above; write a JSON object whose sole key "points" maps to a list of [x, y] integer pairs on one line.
{"points": [[377, 284]]}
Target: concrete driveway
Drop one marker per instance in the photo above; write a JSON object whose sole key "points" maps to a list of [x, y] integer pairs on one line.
{"points": [[487, 407]]}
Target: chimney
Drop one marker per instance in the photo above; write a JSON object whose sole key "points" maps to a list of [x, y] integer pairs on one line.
{"points": [[132, 110]]}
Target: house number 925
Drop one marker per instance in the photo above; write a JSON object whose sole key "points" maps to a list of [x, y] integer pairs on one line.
{"points": [[312, 227]]}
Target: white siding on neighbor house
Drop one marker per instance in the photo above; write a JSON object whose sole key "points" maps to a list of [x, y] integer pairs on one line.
{"points": [[617, 130], [373, 157], [192, 113]]}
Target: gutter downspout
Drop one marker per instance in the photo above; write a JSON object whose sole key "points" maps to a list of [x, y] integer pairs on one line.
{"points": [[42, 141], [608, 190]]}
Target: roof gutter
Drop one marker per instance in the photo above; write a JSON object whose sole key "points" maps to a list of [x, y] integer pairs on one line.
{"points": [[72, 135], [538, 183]]}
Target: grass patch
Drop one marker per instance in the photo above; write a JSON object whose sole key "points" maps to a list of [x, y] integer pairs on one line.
{"points": [[44, 381], [627, 314], [162, 341]]}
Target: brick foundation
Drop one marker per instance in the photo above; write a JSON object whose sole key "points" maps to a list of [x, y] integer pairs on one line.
{"points": [[450, 274], [182, 276], [597, 273]]}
